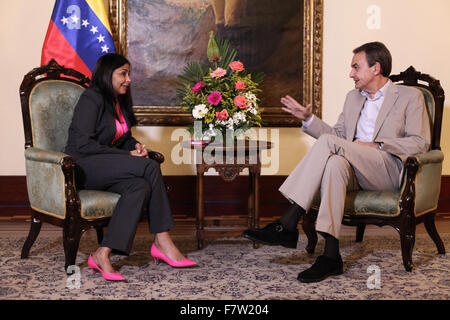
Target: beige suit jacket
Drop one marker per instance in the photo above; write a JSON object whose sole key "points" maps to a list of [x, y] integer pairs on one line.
{"points": [[402, 124]]}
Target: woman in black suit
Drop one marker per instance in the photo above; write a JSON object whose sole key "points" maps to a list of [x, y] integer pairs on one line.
{"points": [[108, 158]]}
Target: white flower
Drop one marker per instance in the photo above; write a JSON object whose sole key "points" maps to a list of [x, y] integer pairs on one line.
{"points": [[239, 117], [252, 109], [229, 123], [199, 111], [251, 101], [250, 96]]}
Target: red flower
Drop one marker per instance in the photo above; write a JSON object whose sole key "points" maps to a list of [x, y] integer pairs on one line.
{"points": [[240, 102], [237, 66], [240, 85], [222, 115], [214, 98], [198, 86]]}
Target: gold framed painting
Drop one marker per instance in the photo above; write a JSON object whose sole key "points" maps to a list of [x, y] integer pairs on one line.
{"points": [[282, 39]]}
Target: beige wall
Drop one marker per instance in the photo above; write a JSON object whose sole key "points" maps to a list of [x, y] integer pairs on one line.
{"points": [[414, 30]]}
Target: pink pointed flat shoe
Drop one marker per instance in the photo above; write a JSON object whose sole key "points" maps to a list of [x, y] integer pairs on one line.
{"points": [[157, 255], [108, 276]]}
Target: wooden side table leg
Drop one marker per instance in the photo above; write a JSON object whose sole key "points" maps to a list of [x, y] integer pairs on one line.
{"points": [[251, 202], [199, 222], [256, 205], [256, 200]]}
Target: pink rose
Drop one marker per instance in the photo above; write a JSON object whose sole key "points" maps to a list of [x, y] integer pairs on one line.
{"points": [[214, 98], [222, 115], [219, 72], [239, 85], [198, 86], [237, 66], [240, 102]]}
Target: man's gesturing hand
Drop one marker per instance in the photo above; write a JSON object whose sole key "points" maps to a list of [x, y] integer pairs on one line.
{"points": [[296, 109]]}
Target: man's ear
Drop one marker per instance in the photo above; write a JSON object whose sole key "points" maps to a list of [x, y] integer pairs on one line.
{"points": [[377, 68]]}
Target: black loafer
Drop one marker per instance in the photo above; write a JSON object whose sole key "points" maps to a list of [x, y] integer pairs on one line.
{"points": [[322, 268], [274, 234]]}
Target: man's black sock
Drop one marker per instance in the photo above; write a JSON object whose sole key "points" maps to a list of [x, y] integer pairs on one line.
{"points": [[331, 246], [292, 216]]}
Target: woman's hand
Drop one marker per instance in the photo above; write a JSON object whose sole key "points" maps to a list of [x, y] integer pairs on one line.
{"points": [[140, 151], [296, 109]]}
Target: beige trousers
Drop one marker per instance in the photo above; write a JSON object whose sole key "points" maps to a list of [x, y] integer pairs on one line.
{"points": [[334, 166]]}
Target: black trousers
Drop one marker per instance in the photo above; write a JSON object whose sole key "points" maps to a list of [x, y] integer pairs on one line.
{"points": [[139, 182]]}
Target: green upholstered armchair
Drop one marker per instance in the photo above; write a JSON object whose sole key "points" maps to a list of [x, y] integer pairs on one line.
{"points": [[417, 199], [48, 97]]}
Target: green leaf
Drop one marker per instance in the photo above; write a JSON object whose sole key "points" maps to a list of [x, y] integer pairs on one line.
{"points": [[227, 53]]}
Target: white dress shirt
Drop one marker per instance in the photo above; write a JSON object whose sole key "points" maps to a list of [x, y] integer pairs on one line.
{"points": [[369, 114]]}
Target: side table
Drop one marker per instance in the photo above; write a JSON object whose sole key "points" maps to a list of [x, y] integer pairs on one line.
{"points": [[228, 161]]}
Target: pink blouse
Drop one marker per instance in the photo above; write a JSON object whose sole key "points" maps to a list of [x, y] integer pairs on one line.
{"points": [[121, 124]]}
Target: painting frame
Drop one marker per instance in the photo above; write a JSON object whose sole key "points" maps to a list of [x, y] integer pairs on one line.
{"points": [[272, 116]]}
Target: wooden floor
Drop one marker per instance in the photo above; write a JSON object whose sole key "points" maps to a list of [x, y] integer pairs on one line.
{"points": [[20, 226]]}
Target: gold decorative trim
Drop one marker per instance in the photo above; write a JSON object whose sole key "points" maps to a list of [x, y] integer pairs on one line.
{"points": [[312, 54], [118, 15], [48, 213]]}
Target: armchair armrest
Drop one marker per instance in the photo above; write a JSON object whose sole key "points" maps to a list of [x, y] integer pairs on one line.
{"points": [[158, 157], [46, 156], [432, 156], [424, 172], [49, 177]]}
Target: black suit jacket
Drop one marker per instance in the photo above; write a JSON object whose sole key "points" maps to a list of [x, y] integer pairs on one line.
{"points": [[93, 129]]}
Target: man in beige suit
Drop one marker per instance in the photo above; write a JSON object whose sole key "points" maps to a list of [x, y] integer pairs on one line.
{"points": [[381, 124]]}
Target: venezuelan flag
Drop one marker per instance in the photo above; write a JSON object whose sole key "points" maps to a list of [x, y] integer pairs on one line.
{"points": [[78, 34]]}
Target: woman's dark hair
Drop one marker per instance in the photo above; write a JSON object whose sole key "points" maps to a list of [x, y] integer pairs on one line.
{"points": [[102, 81], [377, 52]]}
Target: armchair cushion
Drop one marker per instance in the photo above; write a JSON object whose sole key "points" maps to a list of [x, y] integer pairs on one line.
{"points": [[386, 203], [97, 204], [52, 104], [361, 202], [429, 102]]}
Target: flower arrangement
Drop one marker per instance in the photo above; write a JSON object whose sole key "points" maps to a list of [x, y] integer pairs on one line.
{"points": [[221, 95]]}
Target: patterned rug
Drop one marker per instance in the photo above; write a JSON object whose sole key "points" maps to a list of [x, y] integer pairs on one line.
{"points": [[229, 270]]}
